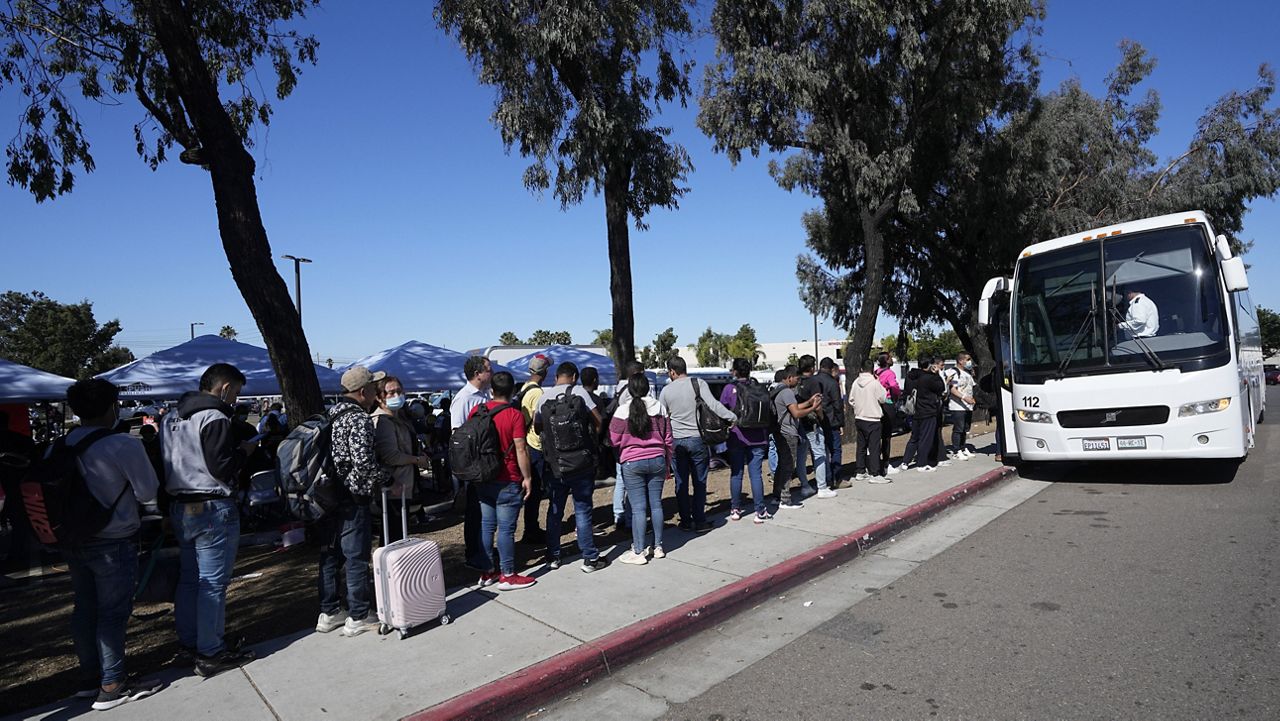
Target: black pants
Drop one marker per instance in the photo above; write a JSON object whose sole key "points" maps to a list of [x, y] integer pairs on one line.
{"points": [[924, 434], [471, 534], [869, 447], [886, 436], [537, 467], [960, 423]]}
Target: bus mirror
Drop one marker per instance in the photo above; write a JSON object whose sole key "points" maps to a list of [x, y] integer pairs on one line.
{"points": [[1233, 274], [989, 291], [1224, 248]]}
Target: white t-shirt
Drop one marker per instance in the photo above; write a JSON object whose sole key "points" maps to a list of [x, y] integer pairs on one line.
{"points": [[460, 407], [959, 380], [1142, 318]]}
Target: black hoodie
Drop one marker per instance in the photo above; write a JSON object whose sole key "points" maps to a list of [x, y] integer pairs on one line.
{"points": [[929, 391]]}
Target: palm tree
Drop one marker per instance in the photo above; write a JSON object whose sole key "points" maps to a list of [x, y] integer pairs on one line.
{"points": [[228, 332]]}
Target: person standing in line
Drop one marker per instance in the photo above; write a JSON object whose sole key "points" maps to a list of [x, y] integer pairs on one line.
{"points": [[928, 388], [474, 392], [812, 426], [747, 448], [347, 532], [692, 455], [570, 470], [202, 461], [502, 498], [889, 380], [960, 403], [529, 395], [789, 412], [620, 397], [103, 570], [832, 420], [868, 399], [398, 450], [641, 432]]}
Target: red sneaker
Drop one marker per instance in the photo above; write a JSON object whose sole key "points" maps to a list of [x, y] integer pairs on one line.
{"points": [[488, 578], [515, 582]]}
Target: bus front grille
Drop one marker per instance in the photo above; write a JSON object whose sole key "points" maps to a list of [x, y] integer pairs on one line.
{"points": [[1114, 417]]}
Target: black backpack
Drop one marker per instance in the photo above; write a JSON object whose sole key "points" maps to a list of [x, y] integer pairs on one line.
{"points": [[570, 441], [754, 406], [713, 429], [62, 510], [475, 451]]}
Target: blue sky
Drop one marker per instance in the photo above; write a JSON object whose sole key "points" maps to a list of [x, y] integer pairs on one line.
{"points": [[383, 167]]}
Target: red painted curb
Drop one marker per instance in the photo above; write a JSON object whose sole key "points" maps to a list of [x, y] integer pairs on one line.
{"points": [[573, 668]]}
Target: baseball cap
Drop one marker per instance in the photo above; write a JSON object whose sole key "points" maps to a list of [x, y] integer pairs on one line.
{"points": [[539, 364], [357, 377]]}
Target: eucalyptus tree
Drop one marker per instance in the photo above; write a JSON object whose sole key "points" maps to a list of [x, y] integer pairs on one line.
{"points": [[869, 100], [191, 67], [579, 84]]}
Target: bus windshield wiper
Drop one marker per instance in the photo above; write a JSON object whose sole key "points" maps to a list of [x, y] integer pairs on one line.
{"points": [[1114, 314], [1086, 325]]}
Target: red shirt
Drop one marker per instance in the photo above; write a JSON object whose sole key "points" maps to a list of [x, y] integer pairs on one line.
{"points": [[510, 425]]}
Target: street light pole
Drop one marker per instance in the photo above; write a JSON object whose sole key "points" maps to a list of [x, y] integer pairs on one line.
{"points": [[815, 334], [297, 281], [193, 329]]}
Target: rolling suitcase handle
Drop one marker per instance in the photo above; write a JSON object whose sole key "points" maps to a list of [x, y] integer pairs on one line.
{"points": [[404, 516]]}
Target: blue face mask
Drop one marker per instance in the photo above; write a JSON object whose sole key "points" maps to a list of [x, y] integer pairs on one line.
{"points": [[395, 403]]}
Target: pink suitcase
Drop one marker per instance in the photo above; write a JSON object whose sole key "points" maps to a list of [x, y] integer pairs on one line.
{"points": [[408, 580]]}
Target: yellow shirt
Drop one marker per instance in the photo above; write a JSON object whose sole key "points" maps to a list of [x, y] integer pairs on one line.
{"points": [[530, 405]]}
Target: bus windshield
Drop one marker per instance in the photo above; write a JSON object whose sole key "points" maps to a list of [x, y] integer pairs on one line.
{"points": [[1132, 302]]}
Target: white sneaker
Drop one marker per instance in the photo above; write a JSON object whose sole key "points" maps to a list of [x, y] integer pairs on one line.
{"points": [[943, 464], [330, 622], [926, 469], [827, 493], [879, 480], [658, 552], [633, 558], [862, 477], [968, 454], [354, 628], [894, 470]]}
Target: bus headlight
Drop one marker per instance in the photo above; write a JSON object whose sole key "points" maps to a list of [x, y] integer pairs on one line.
{"points": [[1034, 417], [1202, 407]]}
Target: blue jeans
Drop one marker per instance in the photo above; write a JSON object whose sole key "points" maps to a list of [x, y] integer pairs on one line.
{"points": [[835, 453], [500, 504], [619, 496], [103, 576], [558, 492], [347, 538], [752, 459], [818, 447], [208, 536], [644, 480], [693, 459]]}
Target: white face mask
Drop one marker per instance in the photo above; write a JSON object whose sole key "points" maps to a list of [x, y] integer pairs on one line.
{"points": [[395, 403]]}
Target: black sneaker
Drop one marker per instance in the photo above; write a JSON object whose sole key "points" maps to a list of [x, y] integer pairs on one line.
{"points": [[807, 491], [554, 563], [126, 692], [702, 527], [596, 565], [225, 661], [686, 526], [184, 657]]}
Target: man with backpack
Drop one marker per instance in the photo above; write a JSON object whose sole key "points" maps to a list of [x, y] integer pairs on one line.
{"points": [[474, 392], [749, 438], [527, 399], [569, 423], [346, 533], [787, 435], [202, 461], [118, 475], [960, 404], [832, 420], [681, 398], [502, 497], [812, 426]]}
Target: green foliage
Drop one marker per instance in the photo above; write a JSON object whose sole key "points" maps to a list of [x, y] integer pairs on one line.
{"points": [[40, 332], [662, 350], [603, 337], [743, 344], [509, 338], [793, 360], [51, 51], [712, 348], [926, 342], [1269, 321], [550, 337], [227, 332]]}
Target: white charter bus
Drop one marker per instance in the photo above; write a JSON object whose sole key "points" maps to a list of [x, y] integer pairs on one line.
{"points": [[1136, 340]]}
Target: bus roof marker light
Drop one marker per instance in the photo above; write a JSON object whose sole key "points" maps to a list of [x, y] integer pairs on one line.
{"points": [[1188, 220], [1115, 232]]}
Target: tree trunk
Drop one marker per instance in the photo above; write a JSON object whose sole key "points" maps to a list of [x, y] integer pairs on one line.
{"points": [[864, 329], [617, 183], [244, 238]]}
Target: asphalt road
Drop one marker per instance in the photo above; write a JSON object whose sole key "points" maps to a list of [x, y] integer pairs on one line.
{"points": [[1119, 592]]}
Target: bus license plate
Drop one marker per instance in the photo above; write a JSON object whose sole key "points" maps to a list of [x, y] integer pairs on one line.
{"points": [[1131, 443], [1097, 444]]}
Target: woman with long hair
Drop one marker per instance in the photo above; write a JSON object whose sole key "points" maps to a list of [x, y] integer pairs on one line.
{"points": [[641, 433], [884, 373]]}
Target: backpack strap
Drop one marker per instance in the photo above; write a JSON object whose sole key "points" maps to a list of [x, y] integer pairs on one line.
{"points": [[78, 449]]}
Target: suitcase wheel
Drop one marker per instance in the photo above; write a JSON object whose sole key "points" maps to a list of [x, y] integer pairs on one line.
{"points": [[404, 633], [445, 619], [383, 629]]}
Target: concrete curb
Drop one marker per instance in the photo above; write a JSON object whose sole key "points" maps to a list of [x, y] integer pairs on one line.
{"points": [[571, 669]]}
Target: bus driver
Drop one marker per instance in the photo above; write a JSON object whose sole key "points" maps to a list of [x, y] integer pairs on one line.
{"points": [[1142, 320]]}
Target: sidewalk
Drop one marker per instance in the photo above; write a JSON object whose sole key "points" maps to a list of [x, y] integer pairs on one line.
{"points": [[562, 631]]}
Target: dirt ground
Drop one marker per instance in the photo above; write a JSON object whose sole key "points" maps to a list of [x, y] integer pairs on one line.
{"points": [[39, 665]]}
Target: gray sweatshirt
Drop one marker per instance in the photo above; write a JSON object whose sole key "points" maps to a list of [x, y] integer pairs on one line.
{"points": [[108, 466], [677, 398]]}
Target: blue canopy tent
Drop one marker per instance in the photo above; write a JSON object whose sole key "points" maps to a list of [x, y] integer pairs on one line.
{"points": [[22, 384], [422, 366], [169, 373], [579, 357]]}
